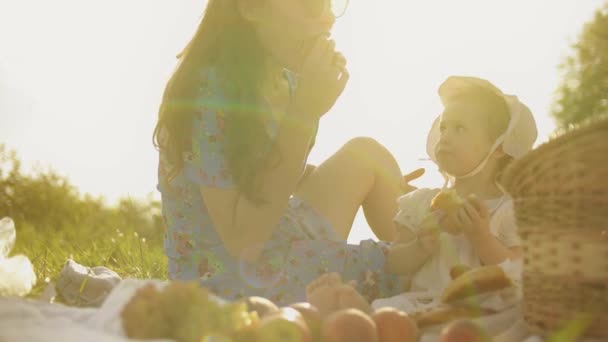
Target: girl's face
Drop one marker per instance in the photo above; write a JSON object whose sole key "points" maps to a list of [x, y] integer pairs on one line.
{"points": [[287, 27], [464, 141]]}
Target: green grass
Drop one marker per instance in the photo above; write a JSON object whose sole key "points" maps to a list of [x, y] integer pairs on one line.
{"points": [[126, 252]]}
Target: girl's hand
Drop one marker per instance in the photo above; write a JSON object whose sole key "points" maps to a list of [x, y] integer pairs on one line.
{"points": [[405, 184], [473, 218], [322, 78]]}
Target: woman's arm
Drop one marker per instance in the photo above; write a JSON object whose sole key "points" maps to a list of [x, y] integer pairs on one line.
{"points": [[244, 226], [308, 169]]}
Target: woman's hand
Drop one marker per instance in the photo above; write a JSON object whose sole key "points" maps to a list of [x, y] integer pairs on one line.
{"points": [[322, 78]]}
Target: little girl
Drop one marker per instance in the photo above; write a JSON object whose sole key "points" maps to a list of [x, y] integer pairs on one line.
{"points": [[479, 132]]}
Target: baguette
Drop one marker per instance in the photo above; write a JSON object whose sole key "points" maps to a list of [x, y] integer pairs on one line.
{"points": [[444, 315], [474, 282]]}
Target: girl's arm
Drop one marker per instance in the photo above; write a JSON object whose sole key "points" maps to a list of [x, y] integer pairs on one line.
{"points": [[406, 258], [491, 251], [407, 255]]}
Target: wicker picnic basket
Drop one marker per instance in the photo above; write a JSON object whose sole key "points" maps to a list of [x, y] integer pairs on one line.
{"points": [[560, 193]]}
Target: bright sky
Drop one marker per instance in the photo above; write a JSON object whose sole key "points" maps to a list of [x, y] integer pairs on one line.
{"points": [[80, 81]]}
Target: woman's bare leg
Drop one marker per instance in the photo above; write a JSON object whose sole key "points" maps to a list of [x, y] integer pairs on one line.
{"points": [[361, 173]]}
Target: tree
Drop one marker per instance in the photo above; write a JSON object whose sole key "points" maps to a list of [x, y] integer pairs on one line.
{"points": [[583, 93]]}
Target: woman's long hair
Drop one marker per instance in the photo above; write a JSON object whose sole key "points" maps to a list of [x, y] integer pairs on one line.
{"points": [[226, 42]]}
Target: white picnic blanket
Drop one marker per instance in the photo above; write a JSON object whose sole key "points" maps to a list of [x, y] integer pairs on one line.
{"points": [[23, 320]]}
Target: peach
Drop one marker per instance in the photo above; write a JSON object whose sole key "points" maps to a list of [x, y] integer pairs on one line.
{"points": [[349, 325], [285, 325], [394, 326], [464, 330], [312, 316], [261, 305]]}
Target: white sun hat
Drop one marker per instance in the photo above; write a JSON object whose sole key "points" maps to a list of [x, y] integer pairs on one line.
{"points": [[516, 141]]}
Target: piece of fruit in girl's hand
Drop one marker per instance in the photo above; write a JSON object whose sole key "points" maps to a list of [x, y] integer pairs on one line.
{"points": [[286, 325], [312, 316], [464, 330], [349, 325], [393, 325], [445, 206], [447, 199], [261, 305]]}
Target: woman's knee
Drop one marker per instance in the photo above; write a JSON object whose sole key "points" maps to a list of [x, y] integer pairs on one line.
{"points": [[365, 145]]}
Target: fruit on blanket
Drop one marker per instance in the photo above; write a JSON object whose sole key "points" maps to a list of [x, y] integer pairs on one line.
{"points": [[183, 312], [245, 334], [261, 305], [286, 325], [476, 281], [312, 316], [458, 270], [464, 330], [393, 325], [349, 325], [216, 338], [143, 317]]}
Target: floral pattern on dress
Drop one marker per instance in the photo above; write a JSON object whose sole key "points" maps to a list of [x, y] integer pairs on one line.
{"points": [[302, 247]]}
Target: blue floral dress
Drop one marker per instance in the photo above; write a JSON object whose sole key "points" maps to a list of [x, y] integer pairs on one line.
{"points": [[302, 247]]}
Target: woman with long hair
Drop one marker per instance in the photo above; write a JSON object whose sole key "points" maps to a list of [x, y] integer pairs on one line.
{"points": [[245, 214]]}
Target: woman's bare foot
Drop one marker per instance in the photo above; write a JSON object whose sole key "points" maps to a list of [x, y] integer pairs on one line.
{"points": [[323, 293], [349, 298]]}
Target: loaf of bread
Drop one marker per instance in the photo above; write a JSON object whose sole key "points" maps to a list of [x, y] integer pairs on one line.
{"points": [[475, 282], [447, 314]]}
